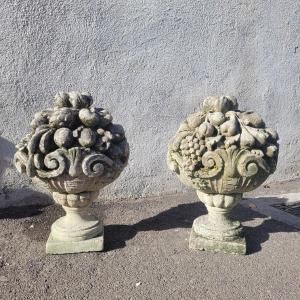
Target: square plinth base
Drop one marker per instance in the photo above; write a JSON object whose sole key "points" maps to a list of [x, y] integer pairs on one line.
{"points": [[54, 246], [198, 242]]}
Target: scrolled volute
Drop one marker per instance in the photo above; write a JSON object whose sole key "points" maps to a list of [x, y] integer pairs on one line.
{"points": [[249, 163], [94, 165], [212, 165], [55, 163]]}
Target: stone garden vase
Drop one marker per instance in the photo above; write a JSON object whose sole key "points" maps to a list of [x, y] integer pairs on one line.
{"points": [[222, 152], [73, 150]]}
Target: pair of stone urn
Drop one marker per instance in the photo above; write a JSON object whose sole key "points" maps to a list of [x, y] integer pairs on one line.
{"points": [[74, 150]]}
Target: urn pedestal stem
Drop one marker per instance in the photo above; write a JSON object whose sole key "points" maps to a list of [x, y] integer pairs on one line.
{"points": [[78, 231], [222, 152], [216, 231], [73, 150]]}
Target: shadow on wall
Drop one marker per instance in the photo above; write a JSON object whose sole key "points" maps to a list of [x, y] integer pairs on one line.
{"points": [[7, 150], [20, 196]]}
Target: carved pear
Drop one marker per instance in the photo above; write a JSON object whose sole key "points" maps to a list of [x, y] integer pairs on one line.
{"points": [[206, 129], [260, 135], [252, 119], [230, 127], [247, 140]]}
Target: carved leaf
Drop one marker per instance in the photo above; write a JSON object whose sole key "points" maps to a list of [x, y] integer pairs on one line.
{"points": [[20, 161], [35, 140], [46, 144]]}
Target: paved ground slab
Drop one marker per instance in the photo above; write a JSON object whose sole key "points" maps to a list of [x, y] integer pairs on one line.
{"points": [[147, 256]]}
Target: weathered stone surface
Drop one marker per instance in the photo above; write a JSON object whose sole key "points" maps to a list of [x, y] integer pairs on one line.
{"points": [[222, 152], [73, 150], [197, 242], [55, 246]]}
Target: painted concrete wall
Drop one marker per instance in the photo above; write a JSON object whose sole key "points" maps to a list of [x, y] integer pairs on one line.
{"points": [[150, 63]]}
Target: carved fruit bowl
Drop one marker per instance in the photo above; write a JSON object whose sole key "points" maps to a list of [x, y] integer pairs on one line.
{"points": [[73, 150], [223, 152]]}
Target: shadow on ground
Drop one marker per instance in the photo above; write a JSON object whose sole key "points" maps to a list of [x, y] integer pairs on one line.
{"points": [[32, 215], [183, 215], [19, 212], [257, 235], [116, 235], [22, 203]]}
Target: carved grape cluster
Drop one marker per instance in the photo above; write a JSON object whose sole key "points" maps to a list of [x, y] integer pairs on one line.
{"points": [[192, 148]]}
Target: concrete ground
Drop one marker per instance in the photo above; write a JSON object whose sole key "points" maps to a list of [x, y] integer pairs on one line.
{"points": [[147, 257]]}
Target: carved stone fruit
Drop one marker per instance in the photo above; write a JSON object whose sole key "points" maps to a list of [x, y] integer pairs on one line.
{"points": [[206, 129], [216, 118], [89, 118], [226, 153], [252, 119], [74, 151], [63, 137], [219, 104], [63, 117], [230, 127], [87, 137]]}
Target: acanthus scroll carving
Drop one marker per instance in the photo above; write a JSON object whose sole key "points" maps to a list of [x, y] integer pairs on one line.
{"points": [[73, 142]]}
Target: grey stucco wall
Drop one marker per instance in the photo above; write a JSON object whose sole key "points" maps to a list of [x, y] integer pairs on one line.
{"points": [[150, 63]]}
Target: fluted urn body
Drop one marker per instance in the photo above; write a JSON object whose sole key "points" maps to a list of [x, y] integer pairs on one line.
{"points": [[73, 150], [222, 152]]}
